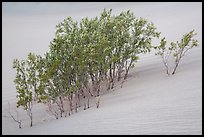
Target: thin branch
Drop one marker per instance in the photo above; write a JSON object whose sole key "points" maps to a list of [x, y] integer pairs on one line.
{"points": [[15, 119]]}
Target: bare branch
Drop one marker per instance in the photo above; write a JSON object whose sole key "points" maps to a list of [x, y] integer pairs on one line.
{"points": [[12, 116]]}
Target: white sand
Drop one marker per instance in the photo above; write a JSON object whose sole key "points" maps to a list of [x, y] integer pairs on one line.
{"points": [[150, 102]]}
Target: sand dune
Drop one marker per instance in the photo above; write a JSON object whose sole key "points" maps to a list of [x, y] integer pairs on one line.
{"points": [[150, 102]]}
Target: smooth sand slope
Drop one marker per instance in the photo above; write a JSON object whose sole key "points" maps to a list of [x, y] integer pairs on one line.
{"points": [[150, 102]]}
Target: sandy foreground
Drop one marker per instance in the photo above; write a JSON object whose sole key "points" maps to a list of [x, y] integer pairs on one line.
{"points": [[150, 102]]}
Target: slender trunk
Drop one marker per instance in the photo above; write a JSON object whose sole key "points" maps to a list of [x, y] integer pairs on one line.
{"points": [[100, 73], [84, 103], [112, 84], [90, 92], [120, 69], [114, 70], [91, 74], [177, 61], [29, 112], [181, 53], [88, 97], [77, 100], [61, 106], [31, 119], [98, 90], [111, 78], [70, 103], [93, 82], [35, 92], [127, 70], [165, 60], [167, 71], [126, 73], [78, 95], [19, 124], [97, 101], [105, 74], [110, 67], [175, 69], [167, 68], [84, 98], [119, 72], [97, 84], [76, 106], [88, 102]]}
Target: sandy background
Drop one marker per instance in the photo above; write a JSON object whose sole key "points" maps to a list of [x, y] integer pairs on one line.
{"points": [[149, 103]]}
